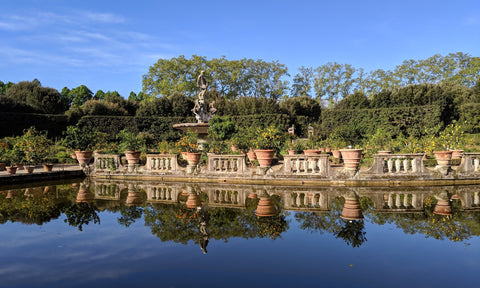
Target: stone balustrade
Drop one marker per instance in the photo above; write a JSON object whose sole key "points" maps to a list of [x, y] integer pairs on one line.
{"points": [[162, 162], [107, 162], [398, 164], [470, 163], [226, 164], [300, 164]]}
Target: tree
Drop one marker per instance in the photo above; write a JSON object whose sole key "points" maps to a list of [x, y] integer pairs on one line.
{"points": [[79, 95], [302, 82], [335, 81], [231, 79], [4, 87], [40, 99]]}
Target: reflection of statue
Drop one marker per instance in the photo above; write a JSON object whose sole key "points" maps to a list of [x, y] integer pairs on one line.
{"points": [[203, 218], [202, 110]]}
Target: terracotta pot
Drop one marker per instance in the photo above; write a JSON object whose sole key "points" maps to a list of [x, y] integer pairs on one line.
{"points": [[444, 158], [312, 152], [133, 157], [83, 157], [193, 158], [351, 157], [351, 210], [265, 207], [47, 167], [234, 148], [443, 208], [19, 166], [11, 169], [328, 150], [29, 169], [2, 166], [265, 157], [292, 152], [384, 152], [336, 154], [73, 155], [184, 155], [457, 154], [251, 156]]}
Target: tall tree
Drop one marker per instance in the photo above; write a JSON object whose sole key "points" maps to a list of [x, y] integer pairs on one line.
{"points": [[302, 82], [80, 95]]}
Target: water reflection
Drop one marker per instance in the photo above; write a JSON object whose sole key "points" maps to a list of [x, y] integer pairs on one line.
{"points": [[183, 212]]}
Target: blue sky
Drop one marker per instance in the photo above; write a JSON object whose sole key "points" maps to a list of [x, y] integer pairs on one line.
{"points": [[109, 45]]}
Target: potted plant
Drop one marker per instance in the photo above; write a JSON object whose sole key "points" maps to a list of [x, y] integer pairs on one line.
{"points": [[188, 144], [36, 146], [267, 142], [3, 152], [10, 159], [131, 145], [81, 141]]}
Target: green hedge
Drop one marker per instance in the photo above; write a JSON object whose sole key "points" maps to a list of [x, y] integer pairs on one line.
{"points": [[13, 123], [406, 120]]}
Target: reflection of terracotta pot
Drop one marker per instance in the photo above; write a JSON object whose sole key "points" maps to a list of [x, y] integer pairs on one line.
{"points": [[83, 157], [252, 196], [265, 157], [351, 157], [47, 167], [444, 158], [75, 185], [133, 198], [443, 208], [2, 166], [133, 157], [84, 195], [251, 156], [11, 169], [10, 194], [29, 169], [265, 207], [193, 201], [193, 158], [351, 210], [457, 154]]}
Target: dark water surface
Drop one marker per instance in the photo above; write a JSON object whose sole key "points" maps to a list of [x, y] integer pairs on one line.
{"points": [[51, 240]]}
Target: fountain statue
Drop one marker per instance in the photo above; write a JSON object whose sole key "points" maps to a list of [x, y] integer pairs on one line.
{"points": [[203, 111]]}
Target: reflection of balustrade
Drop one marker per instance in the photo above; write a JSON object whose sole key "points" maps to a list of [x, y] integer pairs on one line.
{"points": [[107, 191], [162, 193], [301, 164], [226, 163], [162, 162], [398, 163], [107, 162], [221, 196], [402, 201], [306, 200], [470, 163]]}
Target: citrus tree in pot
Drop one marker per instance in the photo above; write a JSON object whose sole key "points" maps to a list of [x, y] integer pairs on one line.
{"points": [[131, 144], [81, 141], [36, 146], [268, 141]]}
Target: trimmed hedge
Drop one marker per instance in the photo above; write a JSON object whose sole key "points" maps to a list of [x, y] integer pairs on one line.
{"points": [[13, 123]]}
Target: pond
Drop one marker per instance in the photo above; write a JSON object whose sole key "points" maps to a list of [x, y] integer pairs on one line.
{"points": [[154, 234]]}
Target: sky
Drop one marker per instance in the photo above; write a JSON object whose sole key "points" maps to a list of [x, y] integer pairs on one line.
{"points": [[110, 45]]}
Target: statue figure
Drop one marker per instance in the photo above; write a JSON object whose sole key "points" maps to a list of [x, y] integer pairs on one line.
{"points": [[203, 111]]}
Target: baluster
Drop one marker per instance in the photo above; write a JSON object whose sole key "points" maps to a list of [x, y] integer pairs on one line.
{"points": [[476, 163], [390, 165], [398, 165], [406, 165], [305, 165], [414, 165], [476, 198], [405, 201], [305, 200], [414, 201], [297, 165], [390, 200], [297, 200], [320, 165]]}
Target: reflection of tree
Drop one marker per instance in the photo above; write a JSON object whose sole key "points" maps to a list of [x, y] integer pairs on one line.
{"points": [[352, 232], [129, 215], [80, 214]]}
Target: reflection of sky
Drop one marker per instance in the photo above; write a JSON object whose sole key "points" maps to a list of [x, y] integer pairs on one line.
{"points": [[111, 255]]}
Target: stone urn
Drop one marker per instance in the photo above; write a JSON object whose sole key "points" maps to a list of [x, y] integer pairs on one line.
{"points": [[83, 157], [351, 210], [133, 157], [265, 157], [193, 158], [444, 158], [351, 158], [265, 207]]}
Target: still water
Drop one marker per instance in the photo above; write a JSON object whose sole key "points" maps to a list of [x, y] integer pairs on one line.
{"points": [[117, 234]]}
